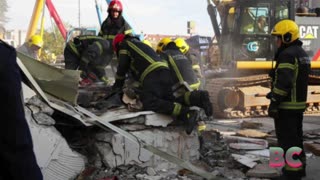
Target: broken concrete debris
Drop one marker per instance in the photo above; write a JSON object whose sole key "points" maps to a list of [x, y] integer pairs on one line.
{"points": [[250, 125], [263, 171], [245, 160], [54, 156], [251, 133]]}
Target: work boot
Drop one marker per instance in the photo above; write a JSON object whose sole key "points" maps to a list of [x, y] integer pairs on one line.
{"points": [[189, 118]]}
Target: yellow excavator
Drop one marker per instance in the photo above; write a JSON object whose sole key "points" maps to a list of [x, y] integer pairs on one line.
{"points": [[242, 54]]}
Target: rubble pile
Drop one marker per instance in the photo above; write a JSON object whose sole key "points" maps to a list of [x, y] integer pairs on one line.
{"points": [[54, 155]]}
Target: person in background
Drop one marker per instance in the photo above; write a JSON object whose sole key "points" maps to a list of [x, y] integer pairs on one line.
{"points": [[289, 93], [115, 23], [32, 47], [17, 159], [261, 25]]}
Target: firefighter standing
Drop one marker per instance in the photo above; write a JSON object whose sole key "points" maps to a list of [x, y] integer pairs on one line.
{"points": [[90, 54], [17, 159], [115, 23], [32, 47], [289, 92], [155, 79]]}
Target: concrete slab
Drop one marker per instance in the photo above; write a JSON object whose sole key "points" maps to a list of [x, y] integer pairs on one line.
{"points": [[263, 171], [119, 151]]}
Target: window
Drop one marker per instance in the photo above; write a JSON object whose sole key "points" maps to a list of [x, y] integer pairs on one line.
{"points": [[255, 20]]}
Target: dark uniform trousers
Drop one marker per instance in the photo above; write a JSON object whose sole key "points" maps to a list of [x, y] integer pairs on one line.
{"points": [[17, 159], [157, 94], [291, 121], [71, 60]]}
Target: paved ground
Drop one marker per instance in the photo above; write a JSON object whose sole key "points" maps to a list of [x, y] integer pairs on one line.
{"points": [[310, 123]]}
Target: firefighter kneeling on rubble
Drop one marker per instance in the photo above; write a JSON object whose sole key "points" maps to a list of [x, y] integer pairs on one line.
{"points": [[90, 54], [186, 83], [289, 93], [155, 78]]}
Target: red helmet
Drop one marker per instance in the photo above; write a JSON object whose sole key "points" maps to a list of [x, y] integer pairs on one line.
{"points": [[118, 39], [115, 5]]}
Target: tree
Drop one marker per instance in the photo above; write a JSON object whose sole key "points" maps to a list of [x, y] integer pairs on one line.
{"points": [[53, 46], [3, 10]]}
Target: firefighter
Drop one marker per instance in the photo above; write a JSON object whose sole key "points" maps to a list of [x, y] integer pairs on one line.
{"points": [[180, 65], [145, 41], [186, 82], [191, 54], [32, 47], [115, 23], [289, 92], [162, 43], [154, 75], [90, 54], [17, 159]]}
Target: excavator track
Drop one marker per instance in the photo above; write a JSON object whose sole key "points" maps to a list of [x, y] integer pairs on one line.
{"points": [[226, 91], [217, 85]]}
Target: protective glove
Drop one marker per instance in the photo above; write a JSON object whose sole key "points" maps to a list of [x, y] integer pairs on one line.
{"points": [[273, 110]]}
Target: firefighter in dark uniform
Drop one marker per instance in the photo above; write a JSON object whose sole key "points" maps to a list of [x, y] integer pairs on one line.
{"points": [[17, 158], [90, 54], [183, 74], [115, 23], [154, 76], [289, 92], [191, 54]]}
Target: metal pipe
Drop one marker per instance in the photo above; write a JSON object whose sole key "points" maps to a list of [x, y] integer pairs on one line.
{"points": [[98, 12], [266, 65], [57, 19], [213, 13], [37, 10]]}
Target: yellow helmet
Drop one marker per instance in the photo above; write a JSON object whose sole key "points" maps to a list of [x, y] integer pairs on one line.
{"points": [[231, 10], [288, 30], [147, 42], [182, 45], [162, 43], [36, 40]]}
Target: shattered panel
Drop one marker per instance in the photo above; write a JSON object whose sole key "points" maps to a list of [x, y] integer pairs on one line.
{"points": [[54, 156]]}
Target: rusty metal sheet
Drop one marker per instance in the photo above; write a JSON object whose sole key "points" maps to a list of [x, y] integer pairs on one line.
{"points": [[60, 83]]}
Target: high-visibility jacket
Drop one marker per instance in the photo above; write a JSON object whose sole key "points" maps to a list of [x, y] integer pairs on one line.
{"points": [[110, 28], [137, 58], [290, 81], [80, 43], [195, 58], [181, 68]]}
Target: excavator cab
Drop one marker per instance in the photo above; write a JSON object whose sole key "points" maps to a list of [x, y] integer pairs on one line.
{"points": [[245, 28]]}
